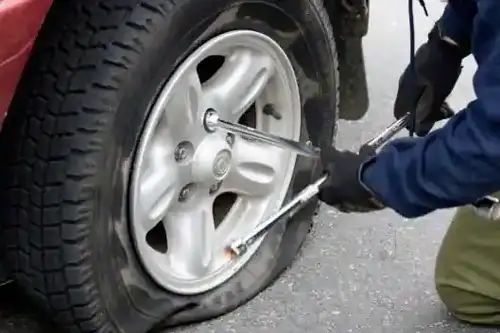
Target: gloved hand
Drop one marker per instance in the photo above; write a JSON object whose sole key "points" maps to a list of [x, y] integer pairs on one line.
{"points": [[438, 66], [344, 189]]}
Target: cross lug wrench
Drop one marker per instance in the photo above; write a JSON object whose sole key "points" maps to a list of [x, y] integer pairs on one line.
{"points": [[238, 247], [488, 207]]}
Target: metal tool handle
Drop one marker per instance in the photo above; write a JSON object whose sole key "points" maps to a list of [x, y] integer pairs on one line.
{"points": [[487, 207], [241, 245], [387, 134], [213, 122], [397, 126]]}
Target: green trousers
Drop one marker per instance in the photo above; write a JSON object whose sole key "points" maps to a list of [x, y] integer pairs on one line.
{"points": [[467, 272]]}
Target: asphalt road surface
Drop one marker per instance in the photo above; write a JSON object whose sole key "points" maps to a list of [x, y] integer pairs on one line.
{"points": [[357, 273]]}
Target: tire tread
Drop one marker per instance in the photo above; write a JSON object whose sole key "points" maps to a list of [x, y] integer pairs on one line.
{"points": [[50, 145], [54, 134]]}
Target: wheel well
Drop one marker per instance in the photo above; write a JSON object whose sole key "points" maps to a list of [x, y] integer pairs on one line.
{"points": [[350, 19]]}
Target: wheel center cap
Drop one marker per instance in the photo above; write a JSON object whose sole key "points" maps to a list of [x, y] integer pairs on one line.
{"points": [[212, 159], [222, 164]]}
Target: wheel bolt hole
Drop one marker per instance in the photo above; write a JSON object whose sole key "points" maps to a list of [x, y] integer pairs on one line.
{"points": [[184, 152], [157, 238]]}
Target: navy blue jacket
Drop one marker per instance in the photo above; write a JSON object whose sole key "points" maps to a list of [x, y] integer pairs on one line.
{"points": [[460, 162]]}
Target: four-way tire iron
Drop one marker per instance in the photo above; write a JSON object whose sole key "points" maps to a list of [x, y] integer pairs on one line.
{"points": [[488, 207]]}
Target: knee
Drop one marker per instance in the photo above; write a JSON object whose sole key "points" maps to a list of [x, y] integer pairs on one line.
{"points": [[469, 306], [467, 271]]}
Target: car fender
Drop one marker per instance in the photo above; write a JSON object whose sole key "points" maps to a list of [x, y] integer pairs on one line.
{"points": [[20, 21]]}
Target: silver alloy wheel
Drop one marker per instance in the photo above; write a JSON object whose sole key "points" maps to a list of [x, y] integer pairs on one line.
{"points": [[180, 168]]}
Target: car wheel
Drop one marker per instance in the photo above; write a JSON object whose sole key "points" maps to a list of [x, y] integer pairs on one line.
{"points": [[118, 202]]}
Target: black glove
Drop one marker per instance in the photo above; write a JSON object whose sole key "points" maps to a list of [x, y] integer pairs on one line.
{"points": [[344, 189], [437, 66]]}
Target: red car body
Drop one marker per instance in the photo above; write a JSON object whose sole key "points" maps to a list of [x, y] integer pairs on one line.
{"points": [[20, 21]]}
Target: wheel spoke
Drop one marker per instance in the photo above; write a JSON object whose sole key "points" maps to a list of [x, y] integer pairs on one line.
{"points": [[157, 189], [254, 168], [239, 82], [186, 106], [191, 236]]}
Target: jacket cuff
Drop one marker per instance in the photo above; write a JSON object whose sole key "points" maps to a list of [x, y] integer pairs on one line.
{"points": [[374, 198], [452, 29]]}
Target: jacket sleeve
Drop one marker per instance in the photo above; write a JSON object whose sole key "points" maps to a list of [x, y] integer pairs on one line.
{"points": [[460, 162]]}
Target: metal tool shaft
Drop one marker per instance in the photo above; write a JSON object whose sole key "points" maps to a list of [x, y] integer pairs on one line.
{"points": [[397, 126], [213, 122], [241, 245], [487, 207], [388, 133]]}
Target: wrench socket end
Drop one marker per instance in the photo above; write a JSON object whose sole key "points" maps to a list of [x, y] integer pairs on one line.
{"points": [[230, 253]]}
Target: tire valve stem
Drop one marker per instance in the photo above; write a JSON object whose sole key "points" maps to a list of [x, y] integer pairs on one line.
{"points": [[230, 253], [269, 110]]}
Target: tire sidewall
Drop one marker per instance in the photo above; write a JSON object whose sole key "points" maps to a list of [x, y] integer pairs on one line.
{"points": [[126, 286]]}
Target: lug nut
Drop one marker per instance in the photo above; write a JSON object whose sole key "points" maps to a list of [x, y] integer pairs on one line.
{"points": [[180, 154], [185, 192], [182, 151], [215, 187]]}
